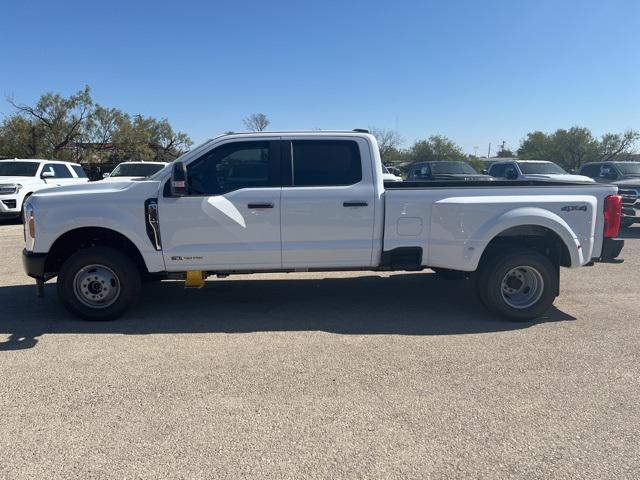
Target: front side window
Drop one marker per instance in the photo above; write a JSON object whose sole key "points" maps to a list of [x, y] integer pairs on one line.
{"points": [[326, 162], [231, 167], [498, 171], [79, 171], [421, 171], [60, 170]]}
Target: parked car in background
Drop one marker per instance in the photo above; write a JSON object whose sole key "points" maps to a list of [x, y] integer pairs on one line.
{"points": [[130, 170], [626, 175], [312, 201], [444, 170], [395, 171], [533, 170], [20, 178], [387, 176]]}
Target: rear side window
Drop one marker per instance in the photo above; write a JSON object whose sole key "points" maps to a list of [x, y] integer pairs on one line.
{"points": [[326, 162], [79, 171]]}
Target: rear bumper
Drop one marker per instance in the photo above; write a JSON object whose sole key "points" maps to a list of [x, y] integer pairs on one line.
{"points": [[611, 248], [33, 263]]}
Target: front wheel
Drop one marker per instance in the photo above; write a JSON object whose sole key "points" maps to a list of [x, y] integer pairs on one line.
{"points": [[98, 283], [518, 284]]}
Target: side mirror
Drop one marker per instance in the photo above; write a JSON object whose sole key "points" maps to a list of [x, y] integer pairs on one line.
{"points": [[179, 184], [106, 175], [485, 171], [47, 174]]}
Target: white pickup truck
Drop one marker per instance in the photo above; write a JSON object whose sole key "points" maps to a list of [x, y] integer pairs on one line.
{"points": [[311, 201]]}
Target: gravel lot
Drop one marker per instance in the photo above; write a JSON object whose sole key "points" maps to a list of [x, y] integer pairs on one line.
{"points": [[322, 376]]}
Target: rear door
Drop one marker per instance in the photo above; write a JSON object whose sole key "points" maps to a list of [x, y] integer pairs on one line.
{"points": [[230, 220], [327, 203]]}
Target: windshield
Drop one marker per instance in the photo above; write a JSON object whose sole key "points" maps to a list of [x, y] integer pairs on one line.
{"points": [[630, 168], [529, 168], [136, 169], [385, 169], [452, 167], [18, 169]]}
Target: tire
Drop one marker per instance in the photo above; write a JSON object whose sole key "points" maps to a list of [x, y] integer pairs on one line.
{"points": [[446, 274], [98, 283], [518, 284]]}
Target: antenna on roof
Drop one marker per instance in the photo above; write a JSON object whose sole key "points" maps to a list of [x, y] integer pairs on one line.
{"points": [[361, 130]]}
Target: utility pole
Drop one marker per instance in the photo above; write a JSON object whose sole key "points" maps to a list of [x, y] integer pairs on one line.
{"points": [[489, 152]]}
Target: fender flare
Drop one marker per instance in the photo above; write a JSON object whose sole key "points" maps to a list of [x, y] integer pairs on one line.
{"points": [[521, 217]]}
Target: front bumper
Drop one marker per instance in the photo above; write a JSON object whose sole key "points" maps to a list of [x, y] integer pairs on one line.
{"points": [[611, 248], [9, 206], [34, 264]]}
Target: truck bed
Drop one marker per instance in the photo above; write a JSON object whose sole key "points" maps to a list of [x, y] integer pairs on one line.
{"points": [[453, 221]]}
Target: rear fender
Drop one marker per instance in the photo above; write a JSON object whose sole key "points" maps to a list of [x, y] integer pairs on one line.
{"points": [[518, 217]]}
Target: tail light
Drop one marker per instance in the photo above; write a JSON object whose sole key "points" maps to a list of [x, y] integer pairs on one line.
{"points": [[612, 215]]}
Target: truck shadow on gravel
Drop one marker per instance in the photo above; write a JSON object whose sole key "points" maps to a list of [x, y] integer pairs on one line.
{"points": [[403, 304]]}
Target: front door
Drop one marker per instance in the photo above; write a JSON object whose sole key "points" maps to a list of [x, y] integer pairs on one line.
{"points": [[327, 203], [230, 219]]}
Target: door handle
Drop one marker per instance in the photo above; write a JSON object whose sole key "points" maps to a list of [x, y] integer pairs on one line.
{"points": [[355, 204], [254, 206]]}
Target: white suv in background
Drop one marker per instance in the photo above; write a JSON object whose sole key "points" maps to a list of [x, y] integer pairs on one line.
{"points": [[19, 178]]}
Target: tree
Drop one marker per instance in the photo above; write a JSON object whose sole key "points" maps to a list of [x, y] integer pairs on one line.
{"points": [[388, 141], [256, 122], [20, 138], [569, 148], [77, 128], [61, 120], [618, 145], [437, 147], [505, 153]]}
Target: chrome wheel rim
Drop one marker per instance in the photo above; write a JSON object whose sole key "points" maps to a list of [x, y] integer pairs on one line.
{"points": [[96, 286], [522, 287]]}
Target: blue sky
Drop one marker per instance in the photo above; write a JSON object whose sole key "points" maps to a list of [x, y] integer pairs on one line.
{"points": [[476, 71]]}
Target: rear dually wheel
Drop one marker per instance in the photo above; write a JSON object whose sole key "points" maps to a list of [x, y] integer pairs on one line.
{"points": [[519, 284]]}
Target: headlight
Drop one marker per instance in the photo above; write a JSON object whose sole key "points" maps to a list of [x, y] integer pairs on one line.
{"points": [[9, 188], [29, 219]]}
